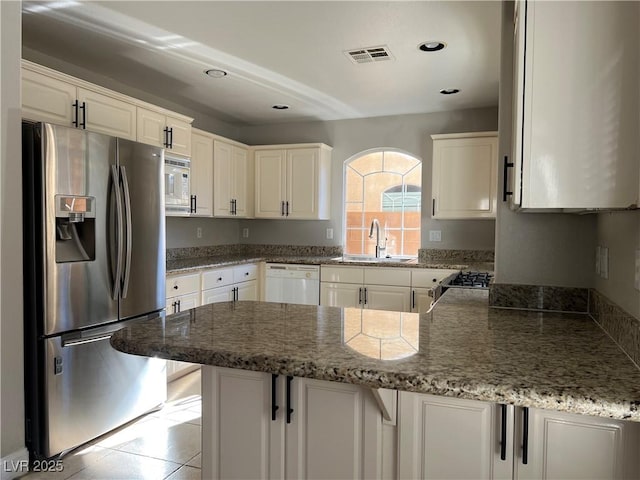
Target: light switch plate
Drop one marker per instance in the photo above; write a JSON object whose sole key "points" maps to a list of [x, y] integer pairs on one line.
{"points": [[598, 248], [329, 233], [245, 233], [604, 262], [636, 282], [199, 232], [435, 235]]}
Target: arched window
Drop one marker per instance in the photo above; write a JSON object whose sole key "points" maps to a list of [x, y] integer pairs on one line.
{"points": [[385, 185]]}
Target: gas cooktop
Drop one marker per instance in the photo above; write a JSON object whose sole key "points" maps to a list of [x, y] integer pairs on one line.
{"points": [[471, 280]]}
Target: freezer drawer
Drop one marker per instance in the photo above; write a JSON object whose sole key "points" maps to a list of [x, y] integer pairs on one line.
{"points": [[91, 388]]}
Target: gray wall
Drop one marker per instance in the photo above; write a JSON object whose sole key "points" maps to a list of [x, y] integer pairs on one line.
{"points": [[11, 351], [537, 248], [182, 232], [409, 133]]}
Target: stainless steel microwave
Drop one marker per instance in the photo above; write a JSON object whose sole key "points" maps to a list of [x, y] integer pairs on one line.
{"points": [[177, 186]]}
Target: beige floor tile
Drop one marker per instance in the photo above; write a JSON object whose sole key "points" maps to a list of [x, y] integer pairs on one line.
{"points": [[186, 473], [126, 466], [188, 415], [164, 439], [186, 386], [196, 461], [71, 463]]}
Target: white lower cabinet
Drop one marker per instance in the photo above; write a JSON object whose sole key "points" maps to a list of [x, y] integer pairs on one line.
{"points": [[452, 438], [563, 446], [230, 284], [257, 425]]}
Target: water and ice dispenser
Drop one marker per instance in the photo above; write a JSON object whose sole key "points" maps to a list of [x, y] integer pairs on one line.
{"points": [[75, 228]]}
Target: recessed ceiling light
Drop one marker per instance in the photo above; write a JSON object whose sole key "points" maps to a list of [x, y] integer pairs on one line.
{"points": [[216, 73], [449, 91], [432, 46], [280, 107]]}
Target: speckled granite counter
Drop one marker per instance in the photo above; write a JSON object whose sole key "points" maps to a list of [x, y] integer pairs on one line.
{"points": [[185, 265], [462, 349]]}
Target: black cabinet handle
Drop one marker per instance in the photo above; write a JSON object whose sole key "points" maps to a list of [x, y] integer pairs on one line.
{"points": [[237, 294], [360, 296], [505, 174], [274, 405], [366, 299], [433, 207], [75, 113], [175, 287], [525, 435], [179, 309], [413, 299], [234, 206], [194, 204], [287, 208], [83, 107], [289, 409], [166, 137], [282, 208], [503, 432], [171, 137]]}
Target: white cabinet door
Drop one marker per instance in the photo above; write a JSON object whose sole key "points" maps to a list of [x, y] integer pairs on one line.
{"points": [[270, 183], [451, 438], [302, 183], [241, 182], [421, 299], [180, 135], [465, 175], [562, 445], [247, 290], [578, 145], [47, 99], [150, 127], [239, 438], [335, 431], [385, 297], [202, 173], [217, 295], [107, 115], [222, 171], [340, 294]]}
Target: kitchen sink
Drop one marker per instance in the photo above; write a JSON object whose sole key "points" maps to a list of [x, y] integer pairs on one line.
{"points": [[366, 259]]}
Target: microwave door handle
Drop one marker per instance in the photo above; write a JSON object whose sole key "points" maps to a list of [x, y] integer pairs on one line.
{"points": [[119, 233], [127, 211]]}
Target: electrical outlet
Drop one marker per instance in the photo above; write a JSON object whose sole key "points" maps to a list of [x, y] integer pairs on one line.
{"points": [[435, 235], [199, 232], [604, 262], [329, 233], [636, 282], [598, 248], [245, 233]]}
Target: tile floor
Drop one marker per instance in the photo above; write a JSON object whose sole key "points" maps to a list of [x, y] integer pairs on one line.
{"points": [[161, 445]]}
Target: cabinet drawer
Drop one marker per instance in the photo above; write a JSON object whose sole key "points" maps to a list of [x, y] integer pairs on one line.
{"points": [[217, 278], [428, 277], [387, 276], [244, 273], [342, 274], [182, 284]]}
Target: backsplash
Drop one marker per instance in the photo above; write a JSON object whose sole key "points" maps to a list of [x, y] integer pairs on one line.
{"points": [[539, 297], [237, 249], [430, 255], [621, 326]]}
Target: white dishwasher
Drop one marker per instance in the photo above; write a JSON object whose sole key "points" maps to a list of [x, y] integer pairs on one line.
{"points": [[289, 283]]}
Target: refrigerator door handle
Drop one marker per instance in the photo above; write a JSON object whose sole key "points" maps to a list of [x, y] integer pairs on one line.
{"points": [[82, 341], [119, 232], [128, 241]]}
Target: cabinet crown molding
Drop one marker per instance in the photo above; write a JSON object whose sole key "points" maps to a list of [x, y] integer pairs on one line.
{"points": [[442, 136]]}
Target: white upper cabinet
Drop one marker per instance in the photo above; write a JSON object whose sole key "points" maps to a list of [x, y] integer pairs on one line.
{"points": [[202, 172], [55, 97], [233, 180], [293, 181], [464, 181], [575, 105], [157, 128]]}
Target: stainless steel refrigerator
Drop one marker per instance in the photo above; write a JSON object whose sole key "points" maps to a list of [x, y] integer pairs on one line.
{"points": [[94, 250]]}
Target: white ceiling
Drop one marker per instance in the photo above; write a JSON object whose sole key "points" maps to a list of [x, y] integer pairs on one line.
{"points": [[280, 53]]}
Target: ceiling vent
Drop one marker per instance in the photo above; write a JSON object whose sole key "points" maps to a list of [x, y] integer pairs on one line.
{"points": [[369, 54]]}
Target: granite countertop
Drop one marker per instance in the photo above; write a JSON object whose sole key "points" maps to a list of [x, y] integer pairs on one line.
{"points": [[187, 265], [462, 348]]}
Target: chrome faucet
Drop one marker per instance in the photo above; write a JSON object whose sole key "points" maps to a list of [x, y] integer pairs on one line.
{"points": [[376, 224]]}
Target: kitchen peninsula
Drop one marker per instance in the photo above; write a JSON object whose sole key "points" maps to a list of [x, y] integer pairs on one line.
{"points": [[538, 363]]}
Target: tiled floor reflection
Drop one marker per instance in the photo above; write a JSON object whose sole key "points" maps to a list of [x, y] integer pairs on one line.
{"points": [[161, 445]]}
